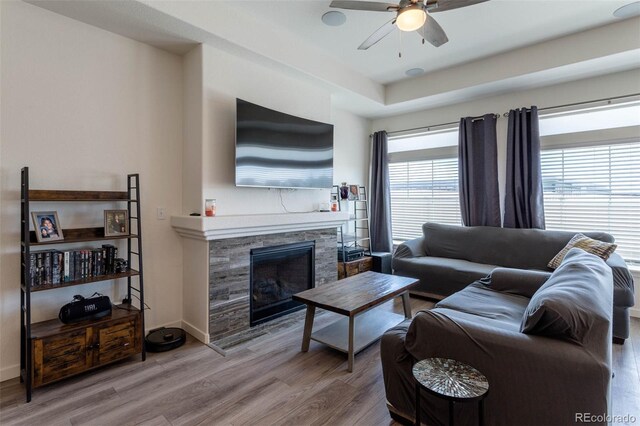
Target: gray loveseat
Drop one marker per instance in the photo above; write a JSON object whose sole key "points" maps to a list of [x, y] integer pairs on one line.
{"points": [[534, 379], [447, 258]]}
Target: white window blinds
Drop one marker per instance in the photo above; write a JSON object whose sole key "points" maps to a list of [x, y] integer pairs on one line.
{"points": [[423, 191], [595, 188]]}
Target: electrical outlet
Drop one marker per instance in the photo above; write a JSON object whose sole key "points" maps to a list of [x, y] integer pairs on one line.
{"points": [[161, 213]]}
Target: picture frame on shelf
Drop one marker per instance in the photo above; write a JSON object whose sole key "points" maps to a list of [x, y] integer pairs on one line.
{"points": [[353, 193], [47, 226], [116, 223]]}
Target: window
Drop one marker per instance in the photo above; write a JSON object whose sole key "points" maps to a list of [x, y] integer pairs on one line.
{"points": [[591, 172], [595, 188], [423, 173]]}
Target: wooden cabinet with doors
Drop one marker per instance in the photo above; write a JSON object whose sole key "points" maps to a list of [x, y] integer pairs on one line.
{"points": [[63, 350]]}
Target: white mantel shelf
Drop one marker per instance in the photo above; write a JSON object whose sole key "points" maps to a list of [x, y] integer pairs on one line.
{"points": [[222, 227]]}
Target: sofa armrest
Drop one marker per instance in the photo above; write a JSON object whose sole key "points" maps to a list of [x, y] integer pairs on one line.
{"points": [[622, 278], [411, 248], [517, 281]]}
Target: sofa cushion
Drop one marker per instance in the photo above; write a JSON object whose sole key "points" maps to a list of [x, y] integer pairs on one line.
{"points": [[440, 275], [576, 296], [599, 248], [512, 248], [502, 310]]}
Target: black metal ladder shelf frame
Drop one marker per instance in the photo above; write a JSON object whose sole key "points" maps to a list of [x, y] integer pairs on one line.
{"points": [[133, 191], [360, 214]]}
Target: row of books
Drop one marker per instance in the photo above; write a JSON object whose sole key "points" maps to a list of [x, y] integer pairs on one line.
{"points": [[50, 267]]}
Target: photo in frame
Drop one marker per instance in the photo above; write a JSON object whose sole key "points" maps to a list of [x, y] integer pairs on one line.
{"points": [[353, 193], [116, 223], [47, 226]]}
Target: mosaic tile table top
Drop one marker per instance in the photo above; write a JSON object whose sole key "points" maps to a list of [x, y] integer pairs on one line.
{"points": [[450, 378]]}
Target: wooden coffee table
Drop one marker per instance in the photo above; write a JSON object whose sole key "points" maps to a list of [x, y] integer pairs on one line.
{"points": [[354, 297]]}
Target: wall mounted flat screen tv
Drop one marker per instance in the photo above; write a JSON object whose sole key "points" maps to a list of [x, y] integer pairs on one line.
{"points": [[277, 150]]}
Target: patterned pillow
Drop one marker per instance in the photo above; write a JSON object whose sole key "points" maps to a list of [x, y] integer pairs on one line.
{"points": [[599, 248]]}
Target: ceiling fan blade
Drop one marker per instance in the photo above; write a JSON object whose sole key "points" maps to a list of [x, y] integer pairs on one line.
{"points": [[433, 32], [373, 6], [378, 35], [443, 5]]}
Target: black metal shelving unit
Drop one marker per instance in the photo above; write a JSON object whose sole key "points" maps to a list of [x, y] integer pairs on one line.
{"points": [[358, 216], [28, 241]]}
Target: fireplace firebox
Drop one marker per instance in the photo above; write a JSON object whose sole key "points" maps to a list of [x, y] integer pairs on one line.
{"points": [[277, 273]]}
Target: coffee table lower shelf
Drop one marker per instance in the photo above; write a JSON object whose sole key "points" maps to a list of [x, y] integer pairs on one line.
{"points": [[369, 327]]}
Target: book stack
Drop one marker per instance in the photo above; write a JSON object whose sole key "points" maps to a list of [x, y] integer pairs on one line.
{"points": [[51, 267]]}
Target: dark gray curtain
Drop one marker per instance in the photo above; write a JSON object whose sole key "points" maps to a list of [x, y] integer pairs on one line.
{"points": [[478, 171], [380, 195], [523, 202]]}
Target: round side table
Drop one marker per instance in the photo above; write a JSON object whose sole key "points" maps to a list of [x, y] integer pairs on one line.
{"points": [[452, 381]]}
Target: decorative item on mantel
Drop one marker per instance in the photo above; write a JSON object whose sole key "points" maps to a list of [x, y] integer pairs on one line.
{"points": [[210, 207], [344, 191]]}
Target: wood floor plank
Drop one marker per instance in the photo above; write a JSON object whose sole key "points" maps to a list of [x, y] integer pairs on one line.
{"points": [[263, 382], [319, 407], [63, 412], [156, 421], [253, 397], [625, 386]]}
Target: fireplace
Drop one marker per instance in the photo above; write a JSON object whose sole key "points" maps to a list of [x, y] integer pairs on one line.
{"points": [[276, 273]]}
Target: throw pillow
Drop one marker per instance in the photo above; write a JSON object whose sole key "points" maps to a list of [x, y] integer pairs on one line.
{"points": [[599, 248], [577, 296]]}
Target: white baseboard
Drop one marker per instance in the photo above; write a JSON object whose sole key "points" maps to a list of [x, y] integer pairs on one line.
{"points": [[167, 325], [634, 312], [196, 332], [10, 372]]}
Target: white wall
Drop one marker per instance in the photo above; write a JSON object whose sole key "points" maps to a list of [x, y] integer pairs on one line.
{"points": [[192, 131], [225, 78], [351, 158], [83, 107]]}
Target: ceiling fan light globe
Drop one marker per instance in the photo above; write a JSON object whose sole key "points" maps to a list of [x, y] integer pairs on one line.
{"points": [[411, 18]]}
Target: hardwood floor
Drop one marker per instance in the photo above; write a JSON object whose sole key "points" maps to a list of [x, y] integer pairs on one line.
{"points": [[266, 381]]}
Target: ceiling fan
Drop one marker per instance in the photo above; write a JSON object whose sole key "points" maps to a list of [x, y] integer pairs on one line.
{"points": [[411, 15]]}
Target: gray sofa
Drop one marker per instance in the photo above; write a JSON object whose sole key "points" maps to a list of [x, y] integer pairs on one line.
{"points": [[447, 258], [534, 379]]}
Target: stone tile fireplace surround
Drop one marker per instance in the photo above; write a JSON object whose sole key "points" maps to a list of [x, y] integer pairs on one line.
{"points": [[229, 264], [216, 256]]}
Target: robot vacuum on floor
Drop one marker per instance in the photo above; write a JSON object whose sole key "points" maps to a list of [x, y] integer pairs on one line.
{"points": [[164, 339]]}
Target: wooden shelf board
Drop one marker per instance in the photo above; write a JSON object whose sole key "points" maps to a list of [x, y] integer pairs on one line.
{"points": [[79, 235], [55, 326], [369, 327], [56, 195], [130, 273]]}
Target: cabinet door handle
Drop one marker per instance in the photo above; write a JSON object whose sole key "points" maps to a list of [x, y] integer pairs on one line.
{"points": [[126, 344]]}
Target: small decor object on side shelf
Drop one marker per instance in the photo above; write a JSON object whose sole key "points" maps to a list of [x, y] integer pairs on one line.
{"points": [[116, 223], [121, 265], [353, 193], [344, 191], [210, 207], [47, 226]]}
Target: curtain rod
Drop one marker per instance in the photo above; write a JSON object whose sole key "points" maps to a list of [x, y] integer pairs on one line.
{"points": [[608, 100], [506, 114], [480, 117]]}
